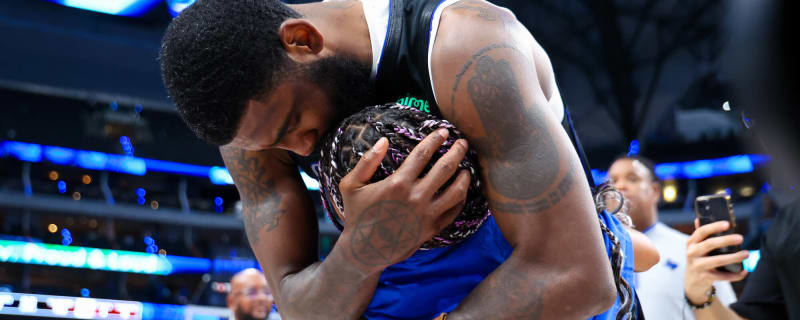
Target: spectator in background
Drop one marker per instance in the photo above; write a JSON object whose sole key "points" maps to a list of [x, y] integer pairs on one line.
{"points": [[763, 58], [660, 289], [250, 297]]}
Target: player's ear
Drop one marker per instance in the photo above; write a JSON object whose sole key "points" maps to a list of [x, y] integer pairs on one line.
{"points": [[301, 40]]}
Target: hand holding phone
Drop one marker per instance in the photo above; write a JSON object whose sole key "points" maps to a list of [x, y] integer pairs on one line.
{"points": [[713, 250], [713, 208]]}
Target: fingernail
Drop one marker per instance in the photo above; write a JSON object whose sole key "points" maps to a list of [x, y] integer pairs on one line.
{"points": [[443, 132], [379, 145], [726, 224], [463, 143]]}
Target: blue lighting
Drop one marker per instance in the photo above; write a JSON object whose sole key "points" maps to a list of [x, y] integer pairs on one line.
{"points": [[85, 293], [113, 106], [66, 237], [140, 200], [138, 108], [752, 260], [633, 149], [125, 164], [115, 7], [152, 248], [218, 201], [599, 176], [220, 176], [232, 265], [735, 164], [311, 183], [176, 6], [189, 264], [62, 188], [141, 192], [698, 169], [92, 160], [149, 240], [29, 152], [668, 170], [59, 155], [177, 168], [127, 147]]}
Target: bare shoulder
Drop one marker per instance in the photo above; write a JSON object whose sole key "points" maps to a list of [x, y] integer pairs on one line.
{"points": [[471, 30], [480, 9]]}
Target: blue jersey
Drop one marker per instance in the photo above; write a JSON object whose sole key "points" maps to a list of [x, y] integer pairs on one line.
{"points": [[434, 281]]}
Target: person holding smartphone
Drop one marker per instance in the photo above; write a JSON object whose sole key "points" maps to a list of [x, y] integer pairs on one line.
{"points": [[701, 269], [660, 289]]}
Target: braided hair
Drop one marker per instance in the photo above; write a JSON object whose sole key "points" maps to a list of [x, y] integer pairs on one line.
{"points": [[604, 193], [404, 127]]}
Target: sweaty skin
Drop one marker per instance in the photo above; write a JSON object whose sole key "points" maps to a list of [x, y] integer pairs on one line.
{"points": [[498, 88]]}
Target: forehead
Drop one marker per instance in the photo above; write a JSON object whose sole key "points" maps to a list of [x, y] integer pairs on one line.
{"points": [[248, 280], [262, 116], [629, 166]]}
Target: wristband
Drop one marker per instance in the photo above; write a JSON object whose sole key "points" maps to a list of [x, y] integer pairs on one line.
{"points": [[711, 294]]}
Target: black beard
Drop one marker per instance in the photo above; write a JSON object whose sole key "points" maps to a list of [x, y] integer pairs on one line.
{"points": [[241, 315], [346, 82]]}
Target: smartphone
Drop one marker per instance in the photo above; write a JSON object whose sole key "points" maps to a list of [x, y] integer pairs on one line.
{"points": [[713, 208]]}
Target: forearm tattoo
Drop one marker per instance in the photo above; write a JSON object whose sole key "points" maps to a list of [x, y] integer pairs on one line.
{"points": [[509, 293], [260, 201]]}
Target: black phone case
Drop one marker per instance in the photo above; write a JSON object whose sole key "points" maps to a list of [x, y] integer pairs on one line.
{"points": [[713, 208]]}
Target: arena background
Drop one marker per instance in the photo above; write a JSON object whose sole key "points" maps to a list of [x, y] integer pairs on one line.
{"points": [[111, 208]]}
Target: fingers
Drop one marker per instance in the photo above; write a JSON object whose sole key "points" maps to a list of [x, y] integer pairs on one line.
{"points": [[421, 155], [728, 276], [706, 246], [449, 216], [711, 263], [453, 195], [703, 232], [366, 166], [444, 169]]}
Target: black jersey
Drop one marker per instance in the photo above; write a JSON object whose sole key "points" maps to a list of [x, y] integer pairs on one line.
{"points": [[403, 70], [403, 75]]}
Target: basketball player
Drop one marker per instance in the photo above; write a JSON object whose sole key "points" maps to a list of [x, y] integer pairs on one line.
{"points": [[265, 81]]}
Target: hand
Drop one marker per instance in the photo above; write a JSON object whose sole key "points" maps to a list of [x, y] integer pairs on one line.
{"points": [[387, 221], [701, 269]]}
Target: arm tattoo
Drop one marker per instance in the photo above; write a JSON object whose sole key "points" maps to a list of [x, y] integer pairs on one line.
{"points": [[527, 168], [261, 203], [484, 12], [389, 237], [510, 293]]}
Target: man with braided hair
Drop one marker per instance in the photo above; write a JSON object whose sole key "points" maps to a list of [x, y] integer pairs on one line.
{"points": [[266, 81]]}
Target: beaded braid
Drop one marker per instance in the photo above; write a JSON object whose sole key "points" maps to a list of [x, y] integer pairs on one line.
{"points": [[404, 127], [617, 256]]}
